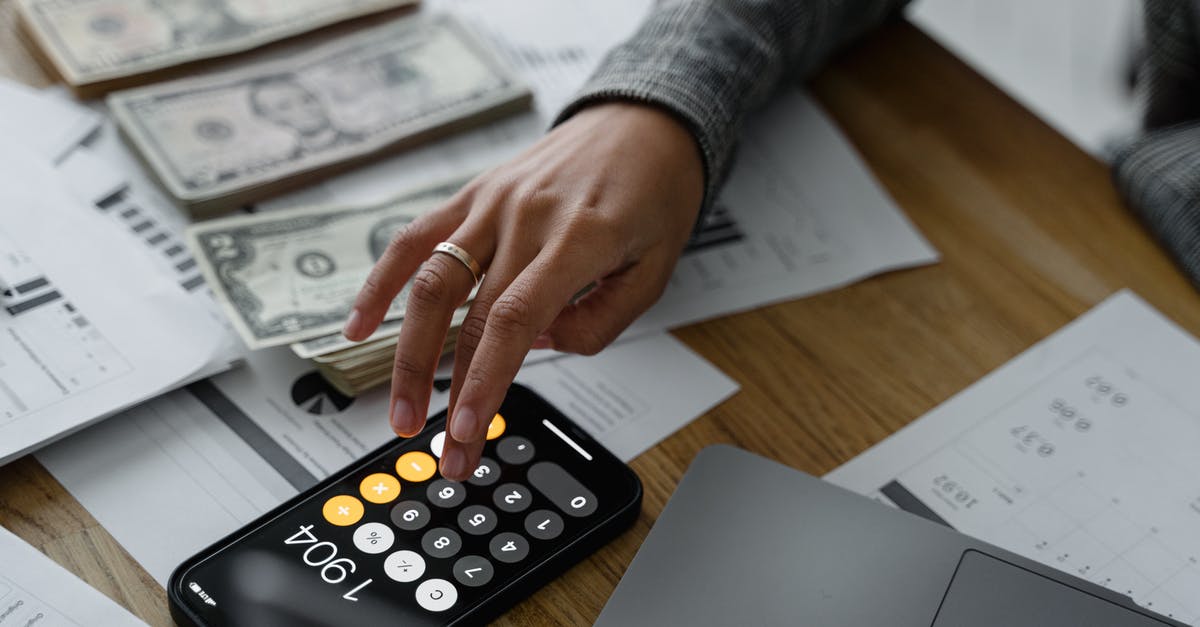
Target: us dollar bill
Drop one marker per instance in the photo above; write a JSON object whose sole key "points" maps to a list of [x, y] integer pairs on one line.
{"points": [[90, 42], [335, 347], [226, 139], [291, 275]]}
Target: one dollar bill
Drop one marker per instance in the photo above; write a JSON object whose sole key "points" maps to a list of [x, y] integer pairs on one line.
{"points": [[96, 42], [223, 140], [291, 275]]}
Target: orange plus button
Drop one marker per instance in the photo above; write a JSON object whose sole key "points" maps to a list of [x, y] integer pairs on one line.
{"points": [[416, 466], [380, 488], [496, 429], [343, 510]]}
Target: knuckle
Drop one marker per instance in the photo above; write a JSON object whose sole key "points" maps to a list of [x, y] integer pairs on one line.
{"points": [[592, 224], [404, 238], [511, 314], [429, 286], [405, 367], [478, 379], [470, 333]]}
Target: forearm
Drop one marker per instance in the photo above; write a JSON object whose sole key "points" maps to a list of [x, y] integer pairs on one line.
{"points": [[711, 61]]}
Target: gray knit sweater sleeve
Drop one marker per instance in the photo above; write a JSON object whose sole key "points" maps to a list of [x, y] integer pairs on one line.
{"points": [[711, 61], [1159, 173]]}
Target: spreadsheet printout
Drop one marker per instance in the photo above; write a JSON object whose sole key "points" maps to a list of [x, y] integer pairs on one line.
{"points": [[1081, 453]]}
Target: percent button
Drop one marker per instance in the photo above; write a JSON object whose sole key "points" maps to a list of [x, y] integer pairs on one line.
{"points": [[374, 538]]}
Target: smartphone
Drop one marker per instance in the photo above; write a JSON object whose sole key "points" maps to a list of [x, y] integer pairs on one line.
{"points": [[387, 541]]}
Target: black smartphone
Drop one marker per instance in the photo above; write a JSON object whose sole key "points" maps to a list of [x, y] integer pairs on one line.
{"points": [[386, 541]]}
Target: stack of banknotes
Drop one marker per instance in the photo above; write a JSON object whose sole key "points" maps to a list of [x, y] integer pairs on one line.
{"points": [[283, 118], [291, 276], [99, 45]]}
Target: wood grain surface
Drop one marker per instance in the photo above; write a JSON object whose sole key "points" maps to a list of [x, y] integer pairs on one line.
{"points": [[1032, 234]]}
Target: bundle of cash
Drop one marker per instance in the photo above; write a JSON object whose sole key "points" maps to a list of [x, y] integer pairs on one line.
{"points": [[222, 140], [355, 368], [99, 45], [291, 276]]}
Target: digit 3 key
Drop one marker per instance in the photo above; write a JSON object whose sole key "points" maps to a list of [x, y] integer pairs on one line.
{"points": [[386, 541]]}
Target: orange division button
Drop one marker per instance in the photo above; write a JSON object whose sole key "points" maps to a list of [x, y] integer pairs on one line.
{"points": [[343, 510], [416, 466], [380, 488], [496, 429]]}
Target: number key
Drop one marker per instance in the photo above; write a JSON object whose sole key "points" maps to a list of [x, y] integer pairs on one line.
{"points": [[410, 515], [446, 493], [562, 489], [487, 473], [477, 520], [441, 542], [543, 524], [512, 497], [473, 571], [509, 547]]}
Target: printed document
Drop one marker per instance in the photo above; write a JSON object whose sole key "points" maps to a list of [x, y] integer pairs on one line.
{"points": [[1081, 453], [86, 328], [34, 591]]}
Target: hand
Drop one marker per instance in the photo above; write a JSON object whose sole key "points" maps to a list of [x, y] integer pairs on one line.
{"points": [[608, 198]]}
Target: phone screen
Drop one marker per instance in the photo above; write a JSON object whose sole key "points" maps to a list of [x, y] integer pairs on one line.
{"points": [[389, 542]]}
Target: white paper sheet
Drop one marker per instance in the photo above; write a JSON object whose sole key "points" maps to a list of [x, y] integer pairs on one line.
{"points": [[800, 214], [36, 591], [1081, 453], [106, 175], [1069, 62], [235, 446], [89, 334], [49, 127]]}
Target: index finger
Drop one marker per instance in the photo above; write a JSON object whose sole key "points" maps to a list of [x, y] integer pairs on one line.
{"points": [[409, 248]]}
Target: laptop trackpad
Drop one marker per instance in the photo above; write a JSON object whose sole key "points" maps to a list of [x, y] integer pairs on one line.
{"points": [[988, 592]]}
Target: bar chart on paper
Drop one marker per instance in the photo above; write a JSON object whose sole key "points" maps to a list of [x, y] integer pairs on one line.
{"points": [[48, 348]]}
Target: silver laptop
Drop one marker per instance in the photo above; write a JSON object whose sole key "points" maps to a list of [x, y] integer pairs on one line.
{"points": [[748, 541]]}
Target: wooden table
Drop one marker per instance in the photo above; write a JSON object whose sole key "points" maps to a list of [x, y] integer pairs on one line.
{"points": [[1032, 233]]}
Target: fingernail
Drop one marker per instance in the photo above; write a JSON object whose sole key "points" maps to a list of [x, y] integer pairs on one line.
{"points": [[454, 463], [403, 418], [353, 325], [543, 341], [464, 425]]}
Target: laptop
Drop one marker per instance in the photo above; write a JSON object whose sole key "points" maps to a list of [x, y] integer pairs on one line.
{"points": [[748, 541]]}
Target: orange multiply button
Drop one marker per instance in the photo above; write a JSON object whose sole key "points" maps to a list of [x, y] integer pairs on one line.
{"points": [[416, 466]]}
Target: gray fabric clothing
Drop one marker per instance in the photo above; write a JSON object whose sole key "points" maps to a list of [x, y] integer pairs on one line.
{"points": [[1159, 176], [710, 62]]}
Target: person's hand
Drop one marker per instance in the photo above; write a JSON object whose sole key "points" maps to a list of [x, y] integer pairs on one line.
{"points": [[608, 198]]}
